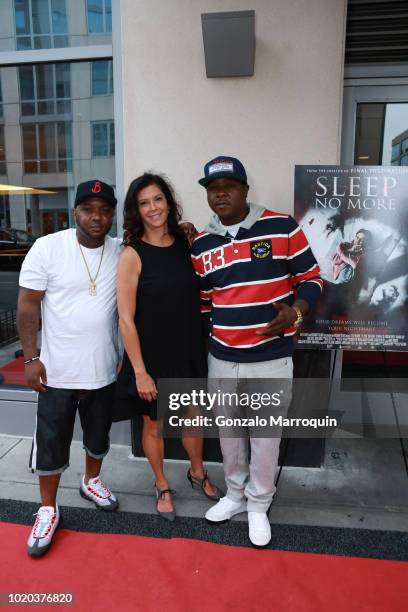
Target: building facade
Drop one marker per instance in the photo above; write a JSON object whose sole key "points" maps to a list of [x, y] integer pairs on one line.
{"points": [[111, 88]]}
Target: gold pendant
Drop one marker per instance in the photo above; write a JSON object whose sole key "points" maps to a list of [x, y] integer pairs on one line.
{"points": [[92, 288]]}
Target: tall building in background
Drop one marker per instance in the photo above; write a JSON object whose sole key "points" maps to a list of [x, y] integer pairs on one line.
{"points": [[400, 149], [56, 119]]}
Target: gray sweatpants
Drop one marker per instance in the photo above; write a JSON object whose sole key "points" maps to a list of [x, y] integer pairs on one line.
{"points": [[255, 480]]}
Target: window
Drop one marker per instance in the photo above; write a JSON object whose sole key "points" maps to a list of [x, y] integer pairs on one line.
{"points": [[5, 236], [404, 145], [45, 89], [48, 24], [102, 78], [4, 212], [103, 139], [40, 24], [47, 147], [369, 129], [395, 151], [99, 16], [380, 133], [3, 168], [404, 160]]}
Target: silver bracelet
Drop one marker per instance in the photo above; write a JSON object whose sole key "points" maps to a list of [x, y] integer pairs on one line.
{"points": [[27, 361]]}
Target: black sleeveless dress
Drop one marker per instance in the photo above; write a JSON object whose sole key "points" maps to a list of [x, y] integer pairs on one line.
{"points": [[168, 322]]}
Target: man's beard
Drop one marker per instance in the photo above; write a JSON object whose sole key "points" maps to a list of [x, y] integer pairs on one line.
{"points": [[88, 235]]}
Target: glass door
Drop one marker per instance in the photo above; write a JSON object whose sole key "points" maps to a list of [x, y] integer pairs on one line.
{"points": [[375, 125], [375, 132]]}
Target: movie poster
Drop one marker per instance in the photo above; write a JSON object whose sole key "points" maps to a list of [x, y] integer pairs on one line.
{"points": [[356, 221]]}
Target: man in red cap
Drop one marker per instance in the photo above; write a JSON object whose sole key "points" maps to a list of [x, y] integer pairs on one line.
{"points": [[71, 275]]}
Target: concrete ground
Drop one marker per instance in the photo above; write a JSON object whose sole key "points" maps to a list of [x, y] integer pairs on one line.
{"points": [[362, 483]]}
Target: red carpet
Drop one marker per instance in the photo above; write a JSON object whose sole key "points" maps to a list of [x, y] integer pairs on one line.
{"points": [[13, 372], [134, 573]]}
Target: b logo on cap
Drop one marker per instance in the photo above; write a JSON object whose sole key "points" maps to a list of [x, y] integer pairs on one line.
{"points": [[97, 187]]}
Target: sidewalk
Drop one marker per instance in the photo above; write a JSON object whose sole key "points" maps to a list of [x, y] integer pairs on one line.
{"points": [[362, 484]]}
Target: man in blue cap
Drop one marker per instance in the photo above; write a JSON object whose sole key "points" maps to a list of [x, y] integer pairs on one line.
{"points": [[258, 279], [71, 275]]}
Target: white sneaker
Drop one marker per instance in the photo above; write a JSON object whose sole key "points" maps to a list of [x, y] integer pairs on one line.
{"points": [[40, 538], [99, 493], [224, 510], [259, 529]]}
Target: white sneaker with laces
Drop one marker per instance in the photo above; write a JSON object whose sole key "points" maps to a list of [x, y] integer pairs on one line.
{"points": [[259, 529], [99, 493], [40, 538], [225, 509]]}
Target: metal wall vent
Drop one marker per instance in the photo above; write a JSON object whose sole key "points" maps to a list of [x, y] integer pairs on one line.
{"points": [[377, 31]]}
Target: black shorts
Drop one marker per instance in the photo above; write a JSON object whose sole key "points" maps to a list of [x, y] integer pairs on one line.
{"points": [[55, 426]]}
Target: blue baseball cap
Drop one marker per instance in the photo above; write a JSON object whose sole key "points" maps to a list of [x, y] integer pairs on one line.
{"points": [[223, 166]]}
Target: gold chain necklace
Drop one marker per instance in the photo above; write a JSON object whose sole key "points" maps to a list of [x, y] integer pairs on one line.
{"points": [[92, 281]]}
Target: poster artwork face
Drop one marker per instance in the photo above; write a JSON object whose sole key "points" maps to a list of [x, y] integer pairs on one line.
{"points": [[356, 221]]}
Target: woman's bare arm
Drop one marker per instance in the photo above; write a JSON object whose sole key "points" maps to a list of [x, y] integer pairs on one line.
{"points": [[129, 269]]}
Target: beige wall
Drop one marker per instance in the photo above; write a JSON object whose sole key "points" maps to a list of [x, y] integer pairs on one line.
{"points": [[289, 112]]}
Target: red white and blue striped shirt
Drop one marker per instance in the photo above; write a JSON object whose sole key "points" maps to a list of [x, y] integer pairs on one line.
{"points": [[268, 261]]}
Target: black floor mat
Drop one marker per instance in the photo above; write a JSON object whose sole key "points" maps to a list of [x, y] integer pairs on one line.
{"points": [[300, 538]]}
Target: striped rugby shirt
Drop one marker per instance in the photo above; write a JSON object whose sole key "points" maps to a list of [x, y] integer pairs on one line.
{"points": [[268, 261]]}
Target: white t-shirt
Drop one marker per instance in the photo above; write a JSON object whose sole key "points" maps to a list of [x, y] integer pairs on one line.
{"points": [[79, 345]]}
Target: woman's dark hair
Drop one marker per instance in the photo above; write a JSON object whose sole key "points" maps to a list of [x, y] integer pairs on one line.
{"points": [[132, 222]]}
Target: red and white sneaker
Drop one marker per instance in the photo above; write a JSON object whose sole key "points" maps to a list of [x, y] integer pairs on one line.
{"points": [[40, 538], [99, 493]]}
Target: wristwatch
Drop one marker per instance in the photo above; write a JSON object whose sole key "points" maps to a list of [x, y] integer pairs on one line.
{"points": [[298, 322]]}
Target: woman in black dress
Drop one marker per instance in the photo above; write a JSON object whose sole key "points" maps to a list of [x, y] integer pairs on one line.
{"points": [[159, 317]]}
